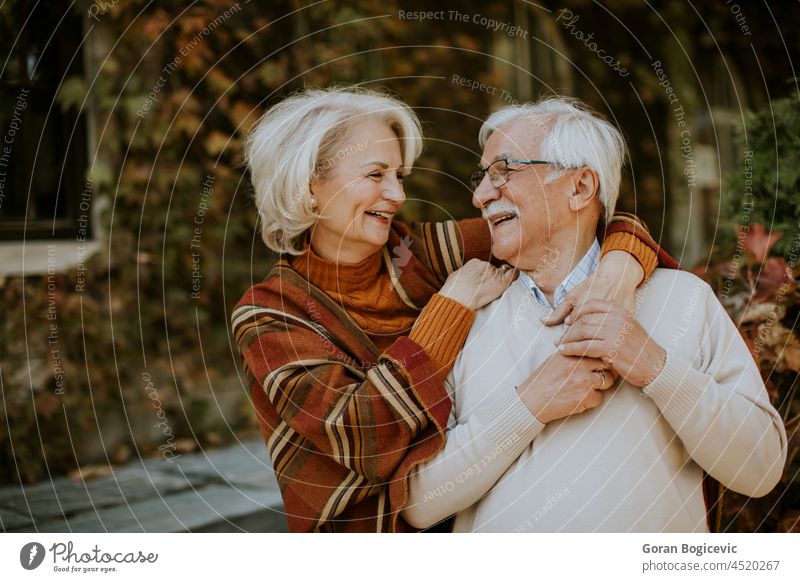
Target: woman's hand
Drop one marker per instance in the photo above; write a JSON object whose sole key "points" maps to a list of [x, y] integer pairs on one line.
{"points": [[477, 283], [615, 281]]}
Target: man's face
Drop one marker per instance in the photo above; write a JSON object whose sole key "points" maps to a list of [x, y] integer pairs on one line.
{"points": [[524, 213]]}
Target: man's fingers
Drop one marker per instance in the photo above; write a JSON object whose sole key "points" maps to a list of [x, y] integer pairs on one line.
{"points": [[580, 332], [610, 371], [593, 363], [592, 400], [593, 319], [593, 306], [559, 313], [586, 348], [606, 379]]}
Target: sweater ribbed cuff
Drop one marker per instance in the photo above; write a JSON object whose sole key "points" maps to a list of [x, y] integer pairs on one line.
{"points": [[509, 423], [677, 389], [630, 243], [441, 330]]}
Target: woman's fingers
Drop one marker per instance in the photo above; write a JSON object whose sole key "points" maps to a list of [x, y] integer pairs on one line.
{"points": [[509, 274]]}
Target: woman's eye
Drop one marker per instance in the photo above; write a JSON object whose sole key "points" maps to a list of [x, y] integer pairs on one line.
{"points": [[400, 177], [375, 175]]}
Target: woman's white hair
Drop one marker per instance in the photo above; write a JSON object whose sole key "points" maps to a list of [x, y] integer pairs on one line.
{"points": [[575, 137], [301, 139]]}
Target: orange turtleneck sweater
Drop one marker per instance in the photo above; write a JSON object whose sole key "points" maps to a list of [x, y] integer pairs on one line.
{"points": [[365, 291]]}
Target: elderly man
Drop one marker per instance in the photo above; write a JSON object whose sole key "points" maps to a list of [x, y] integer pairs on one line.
{"points": [[606, 422]]}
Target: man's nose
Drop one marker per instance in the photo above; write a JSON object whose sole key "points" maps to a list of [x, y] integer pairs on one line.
{"points": [[484, 193]]}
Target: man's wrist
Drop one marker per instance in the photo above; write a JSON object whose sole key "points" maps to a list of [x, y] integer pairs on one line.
{"points": [[534, 407], [658, 361], [524, 394]]}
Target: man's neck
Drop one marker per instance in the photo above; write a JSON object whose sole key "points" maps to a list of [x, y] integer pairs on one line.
{"points": [[558, 258]]}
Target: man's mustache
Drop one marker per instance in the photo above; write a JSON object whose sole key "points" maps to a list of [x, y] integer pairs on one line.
{"points": [[498, 206]]}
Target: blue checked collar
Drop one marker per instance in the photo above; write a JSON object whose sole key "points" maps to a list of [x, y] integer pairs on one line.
{"points": [[585, 267]]}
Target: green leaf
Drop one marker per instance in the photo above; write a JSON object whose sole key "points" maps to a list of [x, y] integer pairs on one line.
{"points": [[71, 93]]}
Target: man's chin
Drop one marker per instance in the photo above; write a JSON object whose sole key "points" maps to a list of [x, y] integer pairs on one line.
{"points": [[506, 253]]}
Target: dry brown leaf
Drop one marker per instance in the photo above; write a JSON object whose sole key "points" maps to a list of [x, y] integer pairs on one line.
{"points": [[90, 472]]}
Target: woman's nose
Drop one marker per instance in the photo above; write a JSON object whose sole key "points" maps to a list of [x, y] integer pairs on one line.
{"points": [[394, 190]]}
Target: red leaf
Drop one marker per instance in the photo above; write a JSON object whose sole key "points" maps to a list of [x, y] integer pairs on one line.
{"points": [[771, 277], [757, 242]]}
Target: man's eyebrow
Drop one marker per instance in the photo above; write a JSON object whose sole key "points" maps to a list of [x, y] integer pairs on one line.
{"points": [[381, 164], [500, 156]]}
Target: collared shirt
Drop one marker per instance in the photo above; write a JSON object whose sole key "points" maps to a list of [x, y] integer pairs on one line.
{"points": [[585, 267]]}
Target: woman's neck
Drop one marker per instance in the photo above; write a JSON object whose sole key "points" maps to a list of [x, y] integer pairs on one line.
{"points": [[338, 275], [340, 251]]}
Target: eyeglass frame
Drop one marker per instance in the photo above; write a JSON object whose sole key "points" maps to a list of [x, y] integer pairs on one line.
{"points": [[475, 182]]}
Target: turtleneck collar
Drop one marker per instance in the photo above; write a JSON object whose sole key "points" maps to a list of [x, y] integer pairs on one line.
{"points": [[341, 278]]}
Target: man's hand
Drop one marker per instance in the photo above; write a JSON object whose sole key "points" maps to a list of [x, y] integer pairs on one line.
{"points": [[615, 281], [563, 386], [612, 334]]}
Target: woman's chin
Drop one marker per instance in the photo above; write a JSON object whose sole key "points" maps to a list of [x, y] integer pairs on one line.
{"points": [[379, 241], [377, 236], [372, 236], [371, 243]]}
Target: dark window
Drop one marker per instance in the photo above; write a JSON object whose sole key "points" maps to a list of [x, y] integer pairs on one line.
{"points": [[42, 148]]}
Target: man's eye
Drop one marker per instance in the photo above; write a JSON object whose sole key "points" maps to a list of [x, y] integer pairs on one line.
{"points": [[400, 177], [375, 175]]}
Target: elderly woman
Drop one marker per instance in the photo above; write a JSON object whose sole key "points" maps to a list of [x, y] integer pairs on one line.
{"points": [[348, 339]]}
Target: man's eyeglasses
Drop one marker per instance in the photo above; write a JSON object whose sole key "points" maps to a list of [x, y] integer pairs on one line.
{"points": [[499, 171]]}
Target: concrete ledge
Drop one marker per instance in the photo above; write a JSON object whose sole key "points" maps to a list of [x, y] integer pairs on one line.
{"points": [[226, 490], [180, 512], [37, 257]]}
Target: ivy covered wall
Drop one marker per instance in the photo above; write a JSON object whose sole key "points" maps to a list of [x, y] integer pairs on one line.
{"points": [[128, 353]]}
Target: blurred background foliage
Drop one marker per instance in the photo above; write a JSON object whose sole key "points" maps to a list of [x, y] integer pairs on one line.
{"points": [[755, 276], [766, 189], [149, 156]]}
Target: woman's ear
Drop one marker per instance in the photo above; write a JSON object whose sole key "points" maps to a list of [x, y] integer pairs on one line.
{"points": [[312, 199], [586, 184]]}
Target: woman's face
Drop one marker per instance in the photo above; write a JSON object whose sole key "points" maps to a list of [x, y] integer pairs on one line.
{"points": [[359, 196]]}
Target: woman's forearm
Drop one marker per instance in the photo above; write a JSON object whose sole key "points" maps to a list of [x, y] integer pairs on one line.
{"points": [[480, 447], [441, 330]]}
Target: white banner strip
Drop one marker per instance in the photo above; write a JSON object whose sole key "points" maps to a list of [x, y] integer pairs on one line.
{"points": [[287, 557]]}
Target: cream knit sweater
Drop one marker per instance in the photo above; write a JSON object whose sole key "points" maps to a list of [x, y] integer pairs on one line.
{"points": [[633, 464]]}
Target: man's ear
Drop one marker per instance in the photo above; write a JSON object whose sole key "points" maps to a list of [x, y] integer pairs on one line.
{"points": [[586, 184]]}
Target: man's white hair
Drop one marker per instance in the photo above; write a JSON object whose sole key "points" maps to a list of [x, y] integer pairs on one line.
{"points": [[575, 137], [301, 139]]}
